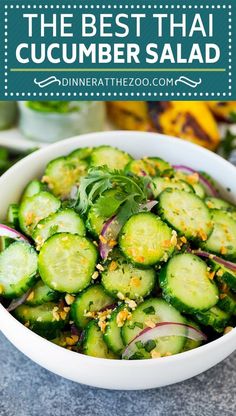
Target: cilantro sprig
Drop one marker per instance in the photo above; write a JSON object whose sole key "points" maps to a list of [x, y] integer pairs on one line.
{"points": [[134, 191]]}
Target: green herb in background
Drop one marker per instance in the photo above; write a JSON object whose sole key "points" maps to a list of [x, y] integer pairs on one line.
{"points": [[232, 117], [8, 158], [227, 145], [54, 106]]}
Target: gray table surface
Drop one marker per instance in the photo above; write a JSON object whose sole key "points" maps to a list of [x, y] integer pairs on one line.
{"points": [[28, 390]]}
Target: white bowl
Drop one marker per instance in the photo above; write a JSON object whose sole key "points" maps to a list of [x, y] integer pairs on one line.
{"points": [[115, 374]]}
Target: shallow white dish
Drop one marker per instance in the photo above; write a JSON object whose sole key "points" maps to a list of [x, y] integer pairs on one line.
{"points": [[114, 374]]}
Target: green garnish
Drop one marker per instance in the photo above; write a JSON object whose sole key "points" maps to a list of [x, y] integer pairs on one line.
{"points": [[232, 117], [149, 311], [228, 144], [133, 192], [150, 345]]}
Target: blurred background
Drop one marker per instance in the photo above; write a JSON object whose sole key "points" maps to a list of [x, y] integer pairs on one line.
{"points": [[29, 125]]}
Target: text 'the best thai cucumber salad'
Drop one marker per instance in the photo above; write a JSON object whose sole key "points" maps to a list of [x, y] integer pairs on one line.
{"points": [[120, 258]]}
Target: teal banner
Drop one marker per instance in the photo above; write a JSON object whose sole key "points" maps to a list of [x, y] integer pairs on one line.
{"points": [[126, 50]]}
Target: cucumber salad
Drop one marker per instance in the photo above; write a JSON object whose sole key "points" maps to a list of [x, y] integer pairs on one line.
{"points": [[120, 258]]}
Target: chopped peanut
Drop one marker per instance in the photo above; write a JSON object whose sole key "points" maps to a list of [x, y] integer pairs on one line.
{"points": [[113, 266], [31, 296], [122, 316], [228, 329], [155, 354], [72, 340], [95, 275], [100, 267], [150, 323], [69, 299]]}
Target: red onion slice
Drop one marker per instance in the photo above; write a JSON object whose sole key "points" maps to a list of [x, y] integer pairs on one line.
{"points": [[227, 264], [9, 232], [210, 189], [163, 329], [19, 301], [112, 228]]}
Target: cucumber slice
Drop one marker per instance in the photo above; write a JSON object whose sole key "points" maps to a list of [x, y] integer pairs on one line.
{"points": [[108, 203], [112, 334], [217, 203], [199, 190], [109, 156], [122, 277], [186, 284], [33, 188], [93, 344], [159, 185], [227, 302], [154, 311], [66, 220], [146, 240], [185, 212], [214, 317], [13, 215], [151, 166], [224, 274], [223, 238], [67, 262], [63, 173], [35, 208], [40, 294], [18, 267], [46, 320], [190, 344], [83, 153], [92, 299]]}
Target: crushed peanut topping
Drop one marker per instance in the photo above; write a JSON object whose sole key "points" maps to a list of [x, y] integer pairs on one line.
{"points": [[55, 314], [135, 281], [27, 324], [211, 275], [183, 239], [223, 250], [100, 267], [31, 296], [112, 243], [69, 299], [102, 325], [167, 354], [120, 296], [131, 303], [63, 315], [39, 319], [193, 179], [113, 266], [103, 239], [173, 239], [155, 354], [72, 340], [95, 275], [64, 238], [123, 316], [219, 273], [202, 235], [1, 289], [228, 329], [223, 295], [150, 323]]}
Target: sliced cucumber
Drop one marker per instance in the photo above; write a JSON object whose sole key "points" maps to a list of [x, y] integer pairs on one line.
{"points": [[40, 294], [199, 190], [112, 334], [13, 215], [224, 274], [223, 238], [5, 242], [186, 284], [154, 311], [146, 240], [214, 317], [159, 184], [18, 267], [190, 344], [33, 188], [185, 212], [217, 203], [46, 320], [227, 302], [151, 166], [63, 173], [35, 208], [92, 299], [83, 153], [66, 220], [94, 344], [110, 156], [122, 277], [67, 262], [104, 208]]}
